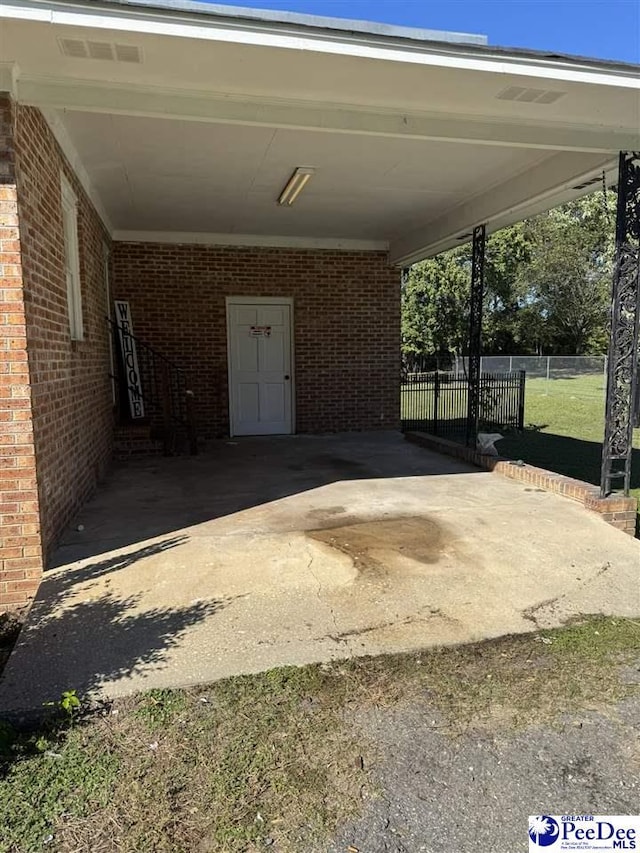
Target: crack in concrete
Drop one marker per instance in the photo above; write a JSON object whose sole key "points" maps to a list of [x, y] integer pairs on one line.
{"points": [[529, 613], [320, 599], [434, 613]]}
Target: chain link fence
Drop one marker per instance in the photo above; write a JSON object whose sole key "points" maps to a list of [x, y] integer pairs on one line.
{"points": [[587, 374]]}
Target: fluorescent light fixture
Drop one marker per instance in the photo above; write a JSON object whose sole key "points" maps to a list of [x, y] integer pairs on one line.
{"points": [[296, 183]]}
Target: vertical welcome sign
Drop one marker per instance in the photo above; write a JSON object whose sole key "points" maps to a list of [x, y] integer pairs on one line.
{"points": [[129, 358]]}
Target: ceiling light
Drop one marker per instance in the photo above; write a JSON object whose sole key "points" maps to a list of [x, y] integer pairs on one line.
{"points": [[296, 183]]}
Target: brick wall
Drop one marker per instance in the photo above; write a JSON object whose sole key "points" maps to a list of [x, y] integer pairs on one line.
{"points": [[20, 546], [66, 411], [346, 324], [71, 390]]}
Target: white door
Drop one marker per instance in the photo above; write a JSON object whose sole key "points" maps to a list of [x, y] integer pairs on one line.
{"points": [[260, 379]]}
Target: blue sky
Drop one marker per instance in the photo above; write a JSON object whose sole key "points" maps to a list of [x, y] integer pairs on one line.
{"points": [[607, 29]]}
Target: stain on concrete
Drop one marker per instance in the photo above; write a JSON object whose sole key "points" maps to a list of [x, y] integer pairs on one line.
{"points": [[377, 547], [326, 512], [341, 466]]}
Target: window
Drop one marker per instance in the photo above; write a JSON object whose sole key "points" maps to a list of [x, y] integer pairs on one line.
{"points": [[72, 259]]}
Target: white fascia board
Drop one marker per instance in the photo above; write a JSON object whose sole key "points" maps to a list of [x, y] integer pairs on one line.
{"points": [[69, 150], [269, 240], [504, 205], [263, 34], [153, 102]]}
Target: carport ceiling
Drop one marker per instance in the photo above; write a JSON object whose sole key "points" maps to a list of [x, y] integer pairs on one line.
{"points": [[159, 175]]}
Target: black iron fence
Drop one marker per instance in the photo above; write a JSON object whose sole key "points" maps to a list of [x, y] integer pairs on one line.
{"points": [[436, 402]]}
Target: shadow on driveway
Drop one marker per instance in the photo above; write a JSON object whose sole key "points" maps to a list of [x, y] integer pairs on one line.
{"points": [[126, 640]]}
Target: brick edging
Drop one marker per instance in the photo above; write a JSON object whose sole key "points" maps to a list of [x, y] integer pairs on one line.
{"points": [[616, 510]]}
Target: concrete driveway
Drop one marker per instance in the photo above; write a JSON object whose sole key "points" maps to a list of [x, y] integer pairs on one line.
{"points": [[273, 551]]}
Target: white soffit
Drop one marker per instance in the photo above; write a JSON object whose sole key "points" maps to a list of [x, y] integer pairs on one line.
{"points": [[544, 131], [381, 48], [544, 186], [63, 139]]}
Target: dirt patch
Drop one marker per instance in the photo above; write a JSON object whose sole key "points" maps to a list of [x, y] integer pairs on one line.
{"points": [[376, 547]]}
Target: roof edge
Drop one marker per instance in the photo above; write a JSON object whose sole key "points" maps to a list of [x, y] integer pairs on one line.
{"points": [[300, 19], [464, 45]]}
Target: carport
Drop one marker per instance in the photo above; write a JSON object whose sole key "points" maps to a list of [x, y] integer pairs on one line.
{"points": [[263, 179], [272, 551]]}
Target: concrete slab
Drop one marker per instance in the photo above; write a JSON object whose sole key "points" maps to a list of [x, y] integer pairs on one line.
{"points": [[274, 551]]}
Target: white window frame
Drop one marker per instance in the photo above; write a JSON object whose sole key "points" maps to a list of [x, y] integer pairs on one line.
{"points": [[106, 258], [72, 259]]}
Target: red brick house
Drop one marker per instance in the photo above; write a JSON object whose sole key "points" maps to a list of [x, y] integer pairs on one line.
{"points": [[146, 155]]}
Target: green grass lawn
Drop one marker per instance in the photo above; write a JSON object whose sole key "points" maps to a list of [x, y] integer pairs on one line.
{"points": [[564, 428], [277, 761]]}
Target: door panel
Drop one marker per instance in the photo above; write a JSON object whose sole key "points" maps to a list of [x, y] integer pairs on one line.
{"points": [[273, 402], [246, 350], [246, 315], [274, 315], [248, 397], [272, 358], [260, 384]]}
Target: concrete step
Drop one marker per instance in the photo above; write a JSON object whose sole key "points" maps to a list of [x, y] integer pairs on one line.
{"points": [[135, 440]]}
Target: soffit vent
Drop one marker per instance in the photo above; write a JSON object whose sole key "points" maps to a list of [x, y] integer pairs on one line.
{"points": [[80, 49], [127, 53], [100, 50], [74, 47], [530, 96]]}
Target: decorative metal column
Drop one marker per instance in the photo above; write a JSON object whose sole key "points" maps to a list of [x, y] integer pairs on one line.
{"points": [[625, 319], [475, 332]]}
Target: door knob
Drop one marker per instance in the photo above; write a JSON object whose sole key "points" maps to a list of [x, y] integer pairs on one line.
{"points": [[287, 376]]}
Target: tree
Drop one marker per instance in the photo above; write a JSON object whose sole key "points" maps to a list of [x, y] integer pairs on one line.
{"points": [[435, 305], [547, 285], [569, 273], [508, 250]]}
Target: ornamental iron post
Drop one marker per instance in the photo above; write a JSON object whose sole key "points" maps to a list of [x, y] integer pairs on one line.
{"points": [[475, 333], [622, 374]]}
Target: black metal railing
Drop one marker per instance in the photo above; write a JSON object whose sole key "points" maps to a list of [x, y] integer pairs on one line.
{"points": [[437, 402], [163, 389]]}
